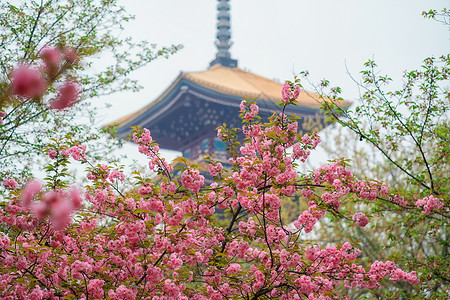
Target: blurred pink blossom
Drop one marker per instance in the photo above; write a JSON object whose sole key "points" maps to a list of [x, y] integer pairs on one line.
{"points": [[67, 96], [27, 82], [31, 189], [52, 59]]}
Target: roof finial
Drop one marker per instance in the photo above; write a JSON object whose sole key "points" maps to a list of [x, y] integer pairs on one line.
{"points": [[223, 42]]}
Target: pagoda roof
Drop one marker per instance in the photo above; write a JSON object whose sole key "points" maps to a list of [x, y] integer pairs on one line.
{"points": [[237, 82], [233, 82], [196, 103]]}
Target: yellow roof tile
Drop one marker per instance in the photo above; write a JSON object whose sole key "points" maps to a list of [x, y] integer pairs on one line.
{"points": [[238, 82]]}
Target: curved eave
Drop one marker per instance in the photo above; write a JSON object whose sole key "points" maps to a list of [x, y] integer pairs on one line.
{"points": [[306, 100], [126, 119], [182, 86]]}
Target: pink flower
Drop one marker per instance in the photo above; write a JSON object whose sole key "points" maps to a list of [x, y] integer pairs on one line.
{"points": [[10, 183], [58, 205], [360, 219], [95, 288], [145, 189], [27, 82], [77, 152], [306, 220], [65, 153], [21, 263], [116, 174], [154, 274], [296, 91], [429, 203], [67, 96], [125, 293], [77, 200], [219, 134], [259, 280], [70, 54], [174, 262], [192, 180], [233, 268], [289, 92], [305, 284], [307, 193], [242, 106], [52, 153], [399, 200], [31, 189], [36, 294], [52, 59], [2, 115], [215, 168]]}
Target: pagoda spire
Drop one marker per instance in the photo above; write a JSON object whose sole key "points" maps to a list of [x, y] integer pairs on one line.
{"points": [[223, 42]]}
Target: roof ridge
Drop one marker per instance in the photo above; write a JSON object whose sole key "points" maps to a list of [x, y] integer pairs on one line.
{"points": [[221, 87], [259, 76]]}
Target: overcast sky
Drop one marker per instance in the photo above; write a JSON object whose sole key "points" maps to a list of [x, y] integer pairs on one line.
{"points": [[277, 39]]}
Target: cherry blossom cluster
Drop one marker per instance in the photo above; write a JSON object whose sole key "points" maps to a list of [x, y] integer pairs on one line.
{"points": [[31, 82], [429, 204], [360, 219], [192, 180], [289, 92], [161, 237], [57, 205], [309, 217], [249, 109], [215, 168], [148, 147], [10, 183]]}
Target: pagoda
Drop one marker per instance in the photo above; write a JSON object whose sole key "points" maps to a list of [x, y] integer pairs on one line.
{"points": [[185, 116]]}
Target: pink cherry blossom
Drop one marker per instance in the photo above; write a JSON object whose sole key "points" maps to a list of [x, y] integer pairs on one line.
{"points": [[289, 92], [77, 152], [31, 189], [10, 183], [95, 288], [215, 168], [67, 95], [76, 198], [233, 268], [52, 153], [360, 219], [70, 54], [192, 180], [28, 82], [116, 174], [52, 59], [429, 204]]}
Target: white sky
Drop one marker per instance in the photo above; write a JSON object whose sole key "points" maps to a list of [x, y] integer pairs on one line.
{"points": [[277, 39]]}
